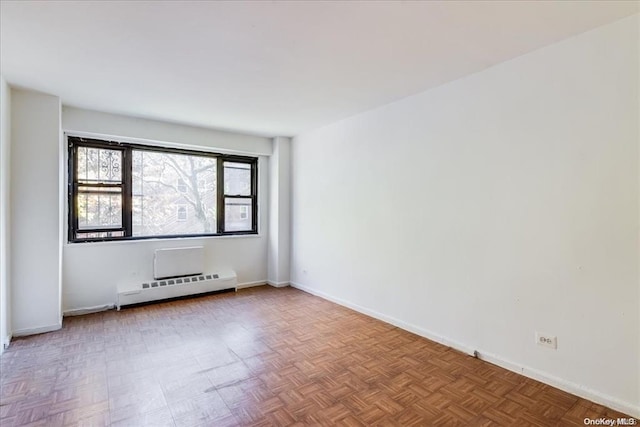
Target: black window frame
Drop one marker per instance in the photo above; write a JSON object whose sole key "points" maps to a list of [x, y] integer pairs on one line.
{"points": [[126, 148]]}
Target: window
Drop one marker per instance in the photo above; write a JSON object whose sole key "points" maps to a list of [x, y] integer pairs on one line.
{"points": [[237, 196], [181, 213], [182, 186], [99, 189], [126, 191]]}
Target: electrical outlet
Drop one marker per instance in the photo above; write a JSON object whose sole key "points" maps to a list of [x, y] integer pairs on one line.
{"points": [[546, 340]]}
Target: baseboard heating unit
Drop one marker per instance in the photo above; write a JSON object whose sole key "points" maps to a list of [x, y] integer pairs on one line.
{"points": [[155, 290]]}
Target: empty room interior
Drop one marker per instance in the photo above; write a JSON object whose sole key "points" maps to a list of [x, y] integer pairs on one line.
{"points": [[352, 213]]}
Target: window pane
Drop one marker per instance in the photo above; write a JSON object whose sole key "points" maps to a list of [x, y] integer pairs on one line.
{"points": [[99, 210], [173, 194], [237, 179], [99, 165], [237, 214]]}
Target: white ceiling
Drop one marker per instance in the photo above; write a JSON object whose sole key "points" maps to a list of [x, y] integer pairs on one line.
{"points": [[270, 67]]}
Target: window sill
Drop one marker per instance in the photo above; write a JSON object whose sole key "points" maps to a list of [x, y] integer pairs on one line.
{"points": [[164, 239]]}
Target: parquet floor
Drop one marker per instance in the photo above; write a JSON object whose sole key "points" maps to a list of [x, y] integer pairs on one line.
{"points": [[263, 357]]}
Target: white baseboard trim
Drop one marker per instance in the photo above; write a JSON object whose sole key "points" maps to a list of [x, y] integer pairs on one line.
{"points": [[33, 331], [391, 320], [88, 310], [568, 386], [278, 284], [562, 384], [251, 284]]}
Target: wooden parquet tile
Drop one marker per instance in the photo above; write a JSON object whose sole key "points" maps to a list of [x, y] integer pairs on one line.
{"points": [[262, 357]]}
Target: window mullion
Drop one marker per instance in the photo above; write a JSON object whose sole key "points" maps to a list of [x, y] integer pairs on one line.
{"points": [[73, 191], [220, 195], [127, 194], [254, 199]]}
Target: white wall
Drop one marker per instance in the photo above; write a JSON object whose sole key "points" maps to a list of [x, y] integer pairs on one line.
{"points": [[279, 212], [35, 219], [489, 208], [5, 176], [95, 123], [92, 271]]}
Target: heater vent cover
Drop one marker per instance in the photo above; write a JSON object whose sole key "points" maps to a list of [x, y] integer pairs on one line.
{"points": [[155, 290]]}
